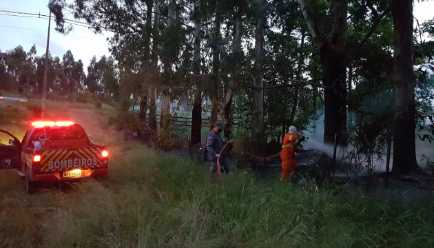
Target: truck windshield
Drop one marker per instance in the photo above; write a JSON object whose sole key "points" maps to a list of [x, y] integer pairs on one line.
{"points": [[59, 133]]}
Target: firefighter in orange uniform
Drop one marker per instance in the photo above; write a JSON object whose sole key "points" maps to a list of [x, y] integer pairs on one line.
{"points": [[287, 155]]}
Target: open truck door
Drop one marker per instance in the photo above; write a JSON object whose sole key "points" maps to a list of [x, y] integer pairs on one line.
{"points": [[10, 153]]}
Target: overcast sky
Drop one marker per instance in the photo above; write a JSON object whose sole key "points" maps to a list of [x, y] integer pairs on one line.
{"points": [[26, 31]]}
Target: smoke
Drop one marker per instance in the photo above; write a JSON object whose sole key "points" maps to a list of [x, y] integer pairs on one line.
{"points": [[315, 140], [424, 152], [315, 136]]}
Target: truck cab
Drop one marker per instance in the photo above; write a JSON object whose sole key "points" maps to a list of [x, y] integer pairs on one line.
{"points": [[10, 154], [54, 151]]}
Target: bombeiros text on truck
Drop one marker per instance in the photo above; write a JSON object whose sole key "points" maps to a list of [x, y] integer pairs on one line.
{"points": [[54, 151]]}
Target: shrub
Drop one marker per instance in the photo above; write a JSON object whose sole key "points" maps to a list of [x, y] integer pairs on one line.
{"points": [[166, 134]]}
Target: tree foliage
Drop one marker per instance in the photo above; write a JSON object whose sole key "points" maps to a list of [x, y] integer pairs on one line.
{"points": [[220, 55], [22, 72]]}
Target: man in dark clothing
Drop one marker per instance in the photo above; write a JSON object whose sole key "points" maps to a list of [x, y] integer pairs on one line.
{"points": [[214, 145]]}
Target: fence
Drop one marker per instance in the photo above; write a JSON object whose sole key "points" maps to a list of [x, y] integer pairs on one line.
{"points": [[184, 121]]}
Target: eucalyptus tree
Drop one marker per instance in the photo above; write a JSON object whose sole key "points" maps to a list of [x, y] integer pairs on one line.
{"points": [[150, 44], [196, 113], [404, 145], [258, 94], [73, 74], [15, 61], [27, 80], [216, 45], [289, 53], [332, 51], [235, 60], [102, 79]]}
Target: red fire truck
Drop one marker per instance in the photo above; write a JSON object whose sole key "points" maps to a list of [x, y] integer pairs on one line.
{"points": [[54, 151]]}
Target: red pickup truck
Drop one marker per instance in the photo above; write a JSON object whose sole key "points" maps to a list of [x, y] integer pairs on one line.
{"points": [[54, 151]]}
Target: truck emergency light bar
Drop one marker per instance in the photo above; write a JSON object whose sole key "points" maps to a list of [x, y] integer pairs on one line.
{"points": [[51, 123]]}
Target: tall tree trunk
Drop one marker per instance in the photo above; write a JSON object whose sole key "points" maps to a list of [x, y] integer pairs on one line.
{"points": [[214, 110], [165, 98], [196, 123], [334, 73], [148, 30], [332, 55], [298, 77], [226, 112], [143, 107], [314, 97], [404, 154], [335, 98], [215, 92], [152, 110], [147, 45], [237, 54], [258, 93], [165, 104], [155, 72]]}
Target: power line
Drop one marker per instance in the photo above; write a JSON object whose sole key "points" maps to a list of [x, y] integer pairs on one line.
{"points": [[41, 16], [16, 12], [45, 18], [79, 25]]}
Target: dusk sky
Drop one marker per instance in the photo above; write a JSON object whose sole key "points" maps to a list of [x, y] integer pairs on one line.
{"points": [[83, 43], [26, 31]]}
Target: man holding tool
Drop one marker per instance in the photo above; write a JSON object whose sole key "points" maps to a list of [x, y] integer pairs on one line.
{"points": [[215, 146], [289, 145]]}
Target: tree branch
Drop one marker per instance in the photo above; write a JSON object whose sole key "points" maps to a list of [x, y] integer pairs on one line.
{"points": [[374, 26], [371, 7], [205, 75], [418, 28], [173, 19], [350, 106], [299, 82], [309, 16]]}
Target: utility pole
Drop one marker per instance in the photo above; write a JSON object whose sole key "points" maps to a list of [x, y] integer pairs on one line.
{"points": [[44, 87]]}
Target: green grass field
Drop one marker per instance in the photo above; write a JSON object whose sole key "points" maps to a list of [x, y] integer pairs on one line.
{"points": [[155, 199], [158, 200]]}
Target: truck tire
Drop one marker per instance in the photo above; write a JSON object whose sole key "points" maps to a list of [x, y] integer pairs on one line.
{"points": [[30, 185]]}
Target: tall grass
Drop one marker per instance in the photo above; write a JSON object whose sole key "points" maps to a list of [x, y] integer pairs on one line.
{"points": [[160, 200], [153, 199]]}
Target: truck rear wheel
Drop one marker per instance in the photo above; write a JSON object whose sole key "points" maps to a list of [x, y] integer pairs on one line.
{"points": [[30, 185]]}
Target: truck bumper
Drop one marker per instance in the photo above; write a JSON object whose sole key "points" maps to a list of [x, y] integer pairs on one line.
{"points": [[58, 176]]}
